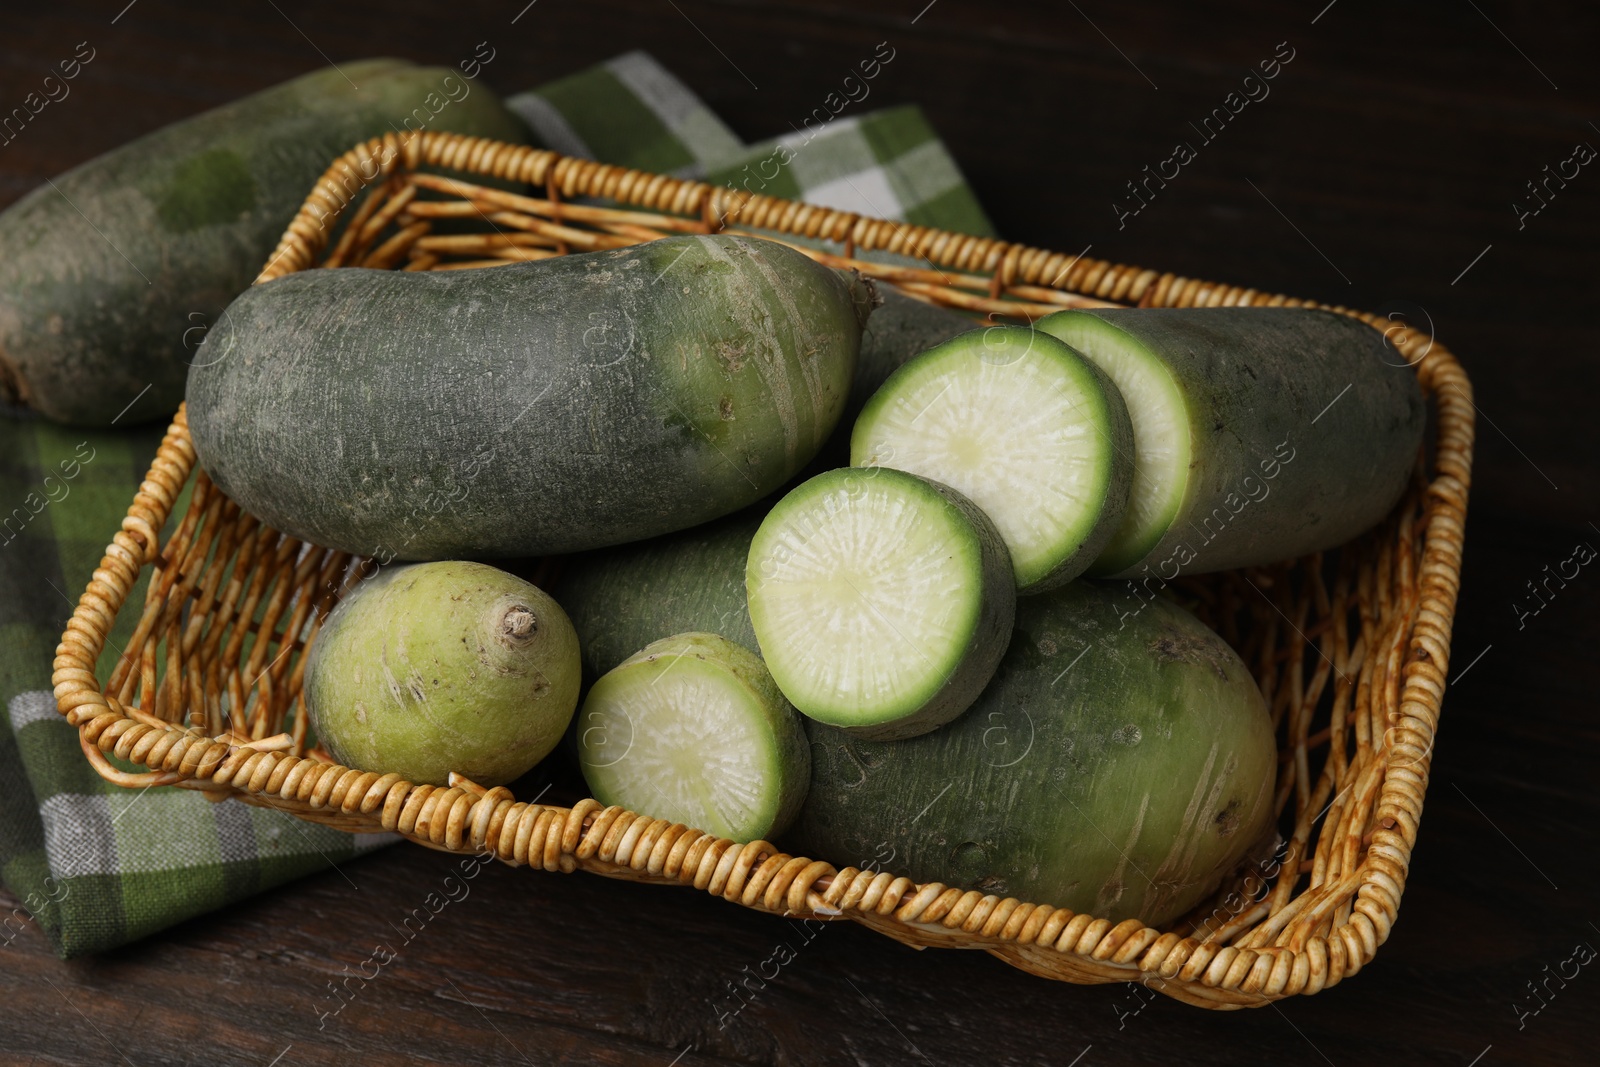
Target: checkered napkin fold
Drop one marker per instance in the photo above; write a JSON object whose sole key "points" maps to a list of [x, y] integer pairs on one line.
{"points": [[95, 865]]}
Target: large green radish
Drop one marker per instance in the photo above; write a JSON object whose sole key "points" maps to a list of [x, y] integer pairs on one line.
{"points": [[623, 598], [542, 407], [112, 272], [694, 730], [882, 601], [1024, 427], [1260, 434], [1120, 771], [437, 667]]}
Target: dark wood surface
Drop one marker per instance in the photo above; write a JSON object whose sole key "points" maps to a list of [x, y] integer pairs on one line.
{"points": [[1386, 158]]}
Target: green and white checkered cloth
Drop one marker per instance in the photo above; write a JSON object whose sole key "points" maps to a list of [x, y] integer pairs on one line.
{"points": [[631, 112], [98, 866]]}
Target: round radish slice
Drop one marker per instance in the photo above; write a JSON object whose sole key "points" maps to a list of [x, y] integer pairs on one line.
{"points": [[1160, 420], [1029, 430], [882, 601], [692, 729]]}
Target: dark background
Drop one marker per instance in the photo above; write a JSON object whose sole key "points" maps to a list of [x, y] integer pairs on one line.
{"points": [[1396, 142]]}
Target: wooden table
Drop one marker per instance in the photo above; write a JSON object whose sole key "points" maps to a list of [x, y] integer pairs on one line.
{"points": [[1380, 172]]}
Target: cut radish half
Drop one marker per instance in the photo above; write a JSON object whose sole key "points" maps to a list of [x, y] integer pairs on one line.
{"points": [[1223, 400], [693, 730], [882, 601], [1028, 429], [1160, 419]]}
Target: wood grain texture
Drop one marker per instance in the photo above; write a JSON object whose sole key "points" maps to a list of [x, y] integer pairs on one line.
{"points": [[1386, 158]]}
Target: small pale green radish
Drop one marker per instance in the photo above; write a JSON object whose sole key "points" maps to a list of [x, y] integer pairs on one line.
{"points": [[438, 667]]}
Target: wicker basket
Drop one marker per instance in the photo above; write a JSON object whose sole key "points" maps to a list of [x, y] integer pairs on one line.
{"points": [[1351, 650]]}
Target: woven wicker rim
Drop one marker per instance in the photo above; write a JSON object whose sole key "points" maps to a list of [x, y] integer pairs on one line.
{"points": [[1290, 944]]}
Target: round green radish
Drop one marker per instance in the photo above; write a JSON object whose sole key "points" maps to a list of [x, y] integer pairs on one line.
{"points": [[1259, 434], [1025, 428], [438, 667], [623, 598], [692, 729], [882, 601], [112, 273], [1120, 771], [543, 407]]}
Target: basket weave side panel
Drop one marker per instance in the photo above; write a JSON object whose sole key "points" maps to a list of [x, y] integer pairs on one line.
{"points": [[224, 579]]}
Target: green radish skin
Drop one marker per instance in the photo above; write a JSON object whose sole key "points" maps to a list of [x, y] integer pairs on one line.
{"points": [[1032, 432], [1261, 434], [623, 598], [1120, 772], [538, 408], [882, 601], [692, 729], [431, 668], [101, 308]]}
